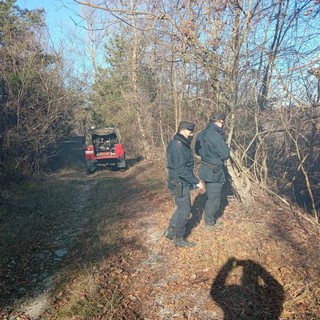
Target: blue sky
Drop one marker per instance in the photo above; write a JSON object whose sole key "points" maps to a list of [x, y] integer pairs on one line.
{"points": [[66, 32], [57, 11], [60, 15]]}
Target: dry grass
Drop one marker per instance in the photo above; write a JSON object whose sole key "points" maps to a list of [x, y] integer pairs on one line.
{"points": [[254, 265]]}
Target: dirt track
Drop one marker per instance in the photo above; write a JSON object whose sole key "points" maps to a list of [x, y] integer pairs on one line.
{"points": [[262, 265]]}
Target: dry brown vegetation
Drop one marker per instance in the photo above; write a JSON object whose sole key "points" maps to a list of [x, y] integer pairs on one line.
{"points": [[255, 265]]}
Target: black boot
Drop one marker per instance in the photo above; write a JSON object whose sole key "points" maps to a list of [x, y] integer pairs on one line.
{"points": [[170, 233], [180, 242]]}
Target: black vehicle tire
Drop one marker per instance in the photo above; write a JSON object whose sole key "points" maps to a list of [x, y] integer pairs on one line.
{"points": [[121, 165], [90, 167]]}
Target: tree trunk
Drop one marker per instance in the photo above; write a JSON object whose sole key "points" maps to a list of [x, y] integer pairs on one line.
{"points": [[240, 182], [237, 170], [134, 76]]}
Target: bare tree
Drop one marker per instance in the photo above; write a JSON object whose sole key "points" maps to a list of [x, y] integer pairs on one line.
{"points": [[244, 58]]}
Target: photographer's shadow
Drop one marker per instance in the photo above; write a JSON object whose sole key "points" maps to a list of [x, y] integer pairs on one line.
{"points": [[245, 290]]}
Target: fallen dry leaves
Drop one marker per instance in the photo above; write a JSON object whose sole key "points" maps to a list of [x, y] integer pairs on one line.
{"points": [[175, 283], [154, 280]]}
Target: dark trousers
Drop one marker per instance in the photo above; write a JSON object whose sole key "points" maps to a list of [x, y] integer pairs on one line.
{"points": [[213, 202], [181, 215]]}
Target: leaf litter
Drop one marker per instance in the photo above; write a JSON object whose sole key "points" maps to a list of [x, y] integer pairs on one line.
{"points": [[139, 274]]}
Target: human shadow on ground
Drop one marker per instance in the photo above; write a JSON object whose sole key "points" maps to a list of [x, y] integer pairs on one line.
{"points": [[245, 290]]}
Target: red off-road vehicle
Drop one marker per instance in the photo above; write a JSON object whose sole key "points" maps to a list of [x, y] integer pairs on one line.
{"points": [[104, 147]]}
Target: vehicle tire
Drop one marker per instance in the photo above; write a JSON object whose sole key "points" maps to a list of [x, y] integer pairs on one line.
{"points": [[90, 167], [121, 165]]}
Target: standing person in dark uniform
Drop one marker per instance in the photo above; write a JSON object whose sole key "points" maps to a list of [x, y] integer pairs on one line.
{"points": [[181, 180], [213, 150]]}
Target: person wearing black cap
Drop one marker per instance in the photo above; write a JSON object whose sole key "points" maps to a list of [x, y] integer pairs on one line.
{"points": [[181, 180], [213, 150]]}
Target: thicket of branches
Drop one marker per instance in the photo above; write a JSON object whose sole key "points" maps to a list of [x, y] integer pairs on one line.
{"points": [[36, 107], [257, 61], [165, 61]]}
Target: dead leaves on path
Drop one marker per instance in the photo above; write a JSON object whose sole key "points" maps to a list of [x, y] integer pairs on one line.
{"points": [[148, 278], [175, 283]]}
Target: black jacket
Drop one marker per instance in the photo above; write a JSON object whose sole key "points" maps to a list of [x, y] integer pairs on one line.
{"points": [[212, 148], [180, 161], [211, 145]]}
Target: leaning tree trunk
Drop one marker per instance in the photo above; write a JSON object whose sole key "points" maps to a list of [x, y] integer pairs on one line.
{"points": [[240, 181]]}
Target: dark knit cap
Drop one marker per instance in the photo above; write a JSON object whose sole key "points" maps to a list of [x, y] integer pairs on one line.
{"points": [[215, 116], [186, 125]]}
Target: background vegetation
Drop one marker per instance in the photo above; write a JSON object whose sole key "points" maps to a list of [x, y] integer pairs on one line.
{"points": [[163, 61]]}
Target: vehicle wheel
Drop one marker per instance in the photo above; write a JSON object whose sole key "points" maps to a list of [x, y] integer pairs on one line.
{"points": [[121, 164], [89, 167]]}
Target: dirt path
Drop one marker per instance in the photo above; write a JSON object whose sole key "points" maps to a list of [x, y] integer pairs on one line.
{"points": [[32, 273], [61, 241], [112, 261]]}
